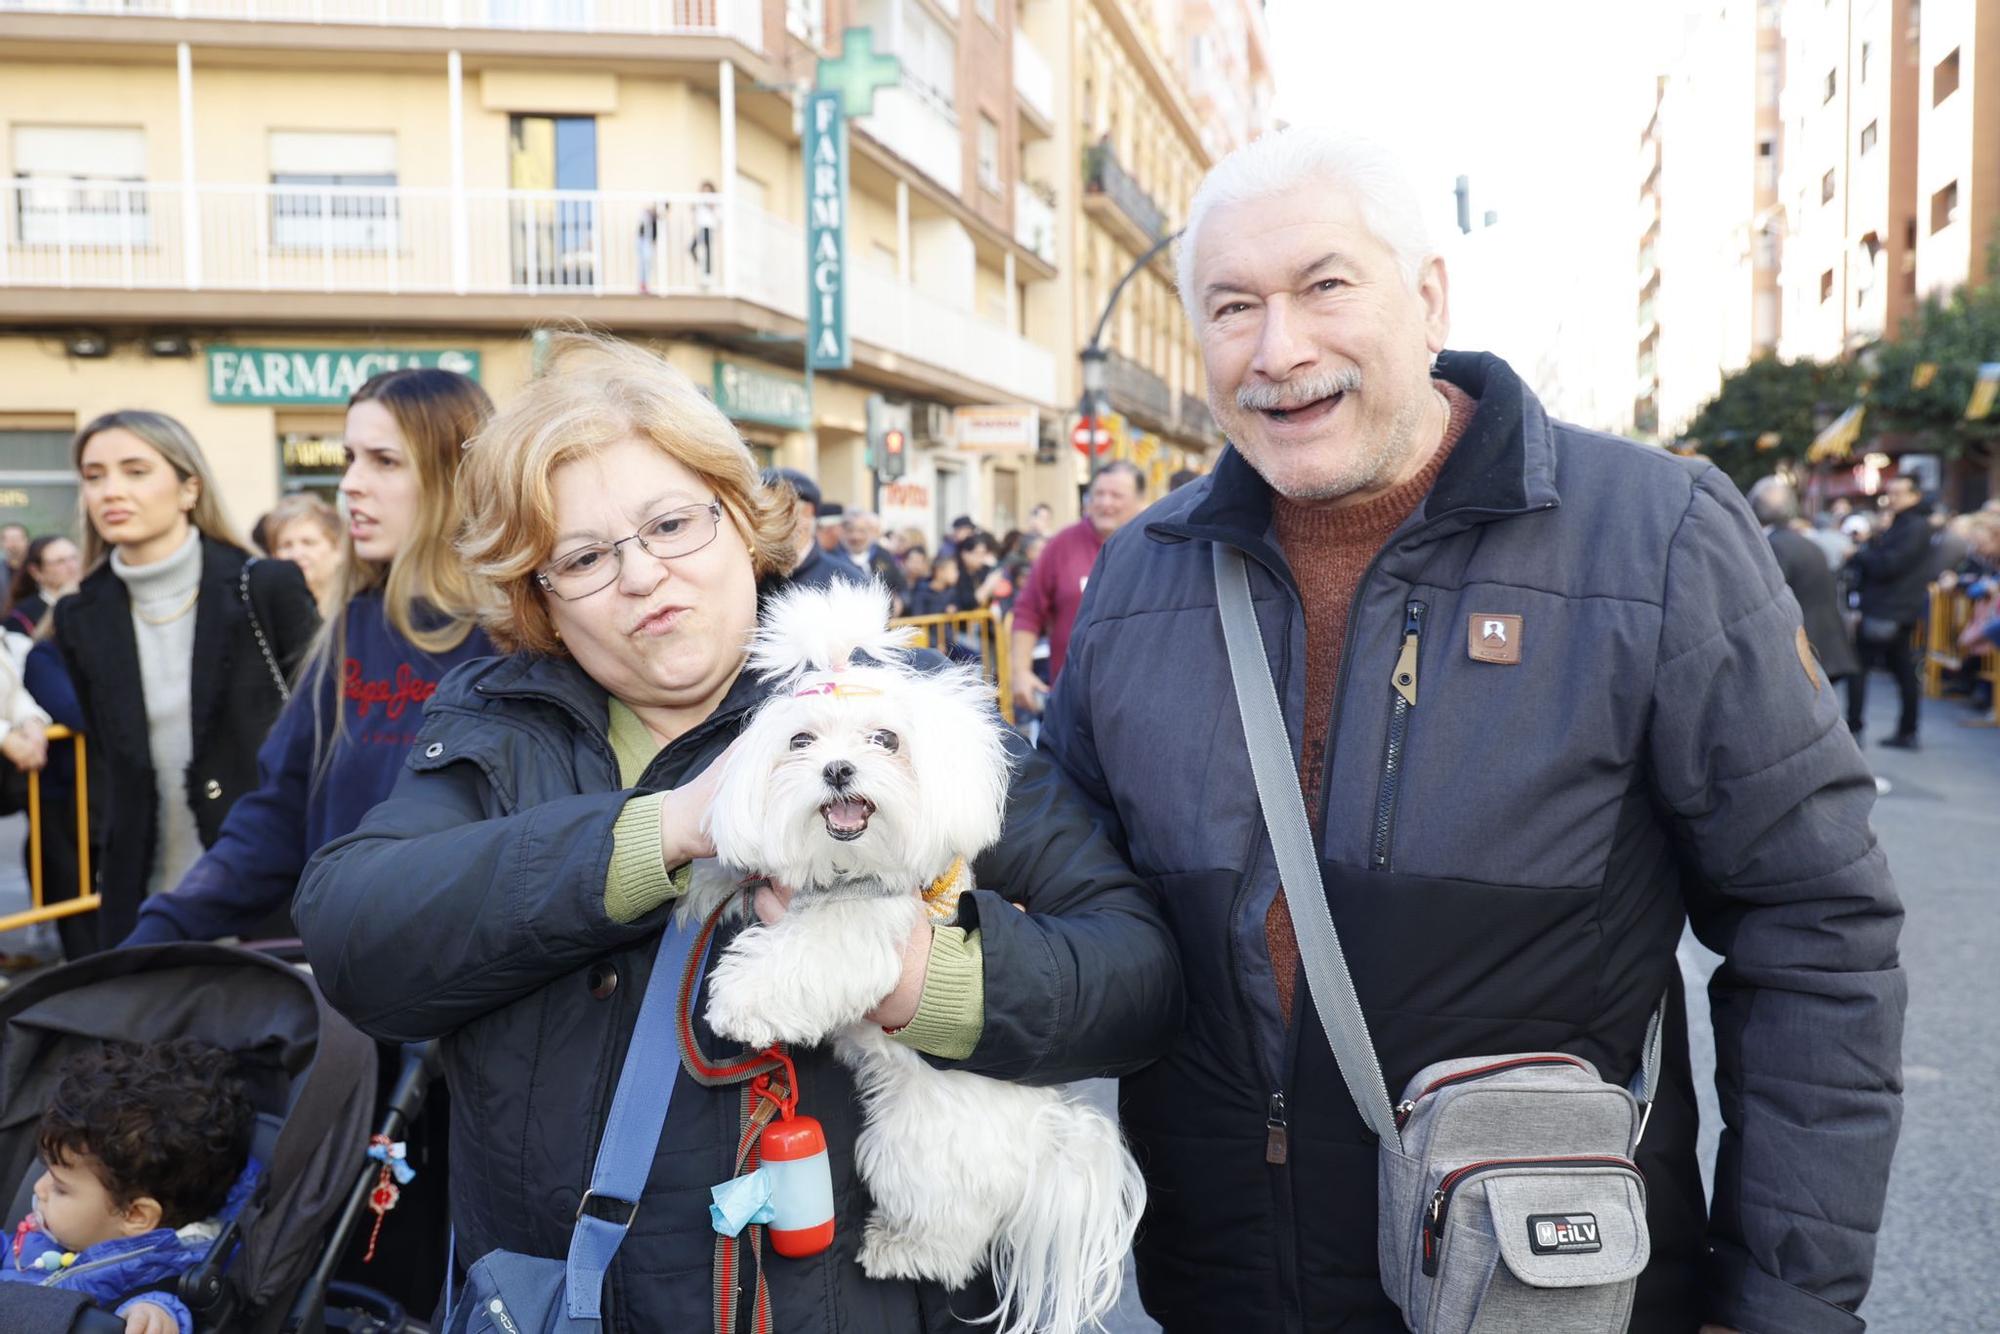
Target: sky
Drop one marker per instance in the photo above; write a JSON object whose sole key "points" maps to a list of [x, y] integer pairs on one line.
{"points": [[1540, 103]]}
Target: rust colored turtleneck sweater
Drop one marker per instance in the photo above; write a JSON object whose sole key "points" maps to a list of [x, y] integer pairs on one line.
{"points": [[1329, 550]]}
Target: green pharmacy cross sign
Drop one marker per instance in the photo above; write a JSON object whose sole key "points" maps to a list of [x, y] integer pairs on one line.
{"points": [[846, 87]]}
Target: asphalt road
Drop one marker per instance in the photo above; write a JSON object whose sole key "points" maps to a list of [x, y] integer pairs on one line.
{"points": [[1940, 823]]}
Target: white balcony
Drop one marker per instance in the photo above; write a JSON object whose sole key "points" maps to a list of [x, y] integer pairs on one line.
{"points": [[892, 314], [740, 19], [562, 244], [911, 123], [1034, 222], [1033, 79]]}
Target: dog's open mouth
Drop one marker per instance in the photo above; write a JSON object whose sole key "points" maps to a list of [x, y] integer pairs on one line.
{"points": [[847, 819]]}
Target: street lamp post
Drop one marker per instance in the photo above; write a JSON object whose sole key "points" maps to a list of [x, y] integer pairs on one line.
{"points": [[1094, 355]]}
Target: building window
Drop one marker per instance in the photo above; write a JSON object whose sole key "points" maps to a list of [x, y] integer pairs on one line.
{"points": [[1826, 188], [1826, 286], [989, 153], [988, 10], [1862, 75], [1767, 164], [37, 483], [928, 50], [552, 232], [1868, 138], [1944, 208], [806, 20], [333, 190], [1832, 85], [1944, 79], [1769, 64], [88, 186]]}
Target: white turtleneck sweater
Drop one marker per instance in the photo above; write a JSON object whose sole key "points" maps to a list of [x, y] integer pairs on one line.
{"points": [[164, 592]]}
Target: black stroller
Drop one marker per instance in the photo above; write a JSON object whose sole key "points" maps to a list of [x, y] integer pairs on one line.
{"points": [[310, 1074]]}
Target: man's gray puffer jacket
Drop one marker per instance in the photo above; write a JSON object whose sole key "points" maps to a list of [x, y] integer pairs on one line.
{"points": [[1511, 875]]}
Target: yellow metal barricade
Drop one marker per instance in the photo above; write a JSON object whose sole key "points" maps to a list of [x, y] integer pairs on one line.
{"points": [[85, 900], [986, 630], [1951, 612]]}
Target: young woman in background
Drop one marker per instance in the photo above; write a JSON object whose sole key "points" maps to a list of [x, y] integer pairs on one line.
{"points": [[179, 646]]}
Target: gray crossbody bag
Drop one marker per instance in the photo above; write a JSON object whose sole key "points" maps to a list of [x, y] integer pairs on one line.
{"points": [[1508, 1198]]}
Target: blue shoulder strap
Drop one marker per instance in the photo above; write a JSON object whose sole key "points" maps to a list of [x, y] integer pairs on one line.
{"points": [[632, 1131]]}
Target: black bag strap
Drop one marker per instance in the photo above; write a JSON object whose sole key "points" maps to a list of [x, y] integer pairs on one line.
{"points": [[257, 628]]}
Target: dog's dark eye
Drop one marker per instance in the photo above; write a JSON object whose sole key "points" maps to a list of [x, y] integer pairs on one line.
{"points": [[886, 740], [801, 740]]}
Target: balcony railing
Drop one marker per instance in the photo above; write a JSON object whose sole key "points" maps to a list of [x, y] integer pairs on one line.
{"points": [[740, 19], [915, 125], [271, 238], [1196, 420], [1104, 175], [1034, 221], [1034, 80], [885, 311], [1137, 389]]}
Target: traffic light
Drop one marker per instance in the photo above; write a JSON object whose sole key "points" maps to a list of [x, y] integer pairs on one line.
{"points": [[888, 437], [895, 454]]}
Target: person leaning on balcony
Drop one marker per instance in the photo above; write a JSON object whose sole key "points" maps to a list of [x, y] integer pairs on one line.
{"points": [[509, 896], [180, 649], [1611, 729], [1048, 603]]}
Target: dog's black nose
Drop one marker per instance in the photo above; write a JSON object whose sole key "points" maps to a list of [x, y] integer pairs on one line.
{"points": [[838, 774]]}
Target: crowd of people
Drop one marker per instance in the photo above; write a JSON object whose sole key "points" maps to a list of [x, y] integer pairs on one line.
{"points": [[1863, 580], [462, 740]]}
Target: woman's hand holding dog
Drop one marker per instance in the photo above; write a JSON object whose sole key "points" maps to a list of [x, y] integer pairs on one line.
{"points": [[684, 815], [898, 1007]]}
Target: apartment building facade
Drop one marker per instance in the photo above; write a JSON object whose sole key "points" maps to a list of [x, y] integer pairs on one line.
{"points": [[1850, 169], [234, 210], [1709, 218], [1163, 88], [1956, 199]]}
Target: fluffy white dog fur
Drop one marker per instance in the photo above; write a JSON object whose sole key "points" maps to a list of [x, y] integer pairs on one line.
{"points": [[860, 784]]}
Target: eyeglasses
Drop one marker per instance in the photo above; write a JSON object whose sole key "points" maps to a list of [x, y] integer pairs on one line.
{"points": [[586, 570]]}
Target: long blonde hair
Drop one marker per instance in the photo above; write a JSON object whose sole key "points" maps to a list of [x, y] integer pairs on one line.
{"points": [[437, 412], [176, 444]]}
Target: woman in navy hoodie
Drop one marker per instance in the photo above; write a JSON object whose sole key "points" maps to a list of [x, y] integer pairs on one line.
{"points": [[408, 609]]}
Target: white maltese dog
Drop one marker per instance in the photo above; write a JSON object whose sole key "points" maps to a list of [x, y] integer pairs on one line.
{"points": [[870, 786]]}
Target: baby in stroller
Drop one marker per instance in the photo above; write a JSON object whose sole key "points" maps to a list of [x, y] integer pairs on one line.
{"points": [[146, 1150]]}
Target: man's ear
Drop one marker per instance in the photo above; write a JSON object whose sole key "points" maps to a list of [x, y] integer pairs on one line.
{"points": [[140, 1217]]}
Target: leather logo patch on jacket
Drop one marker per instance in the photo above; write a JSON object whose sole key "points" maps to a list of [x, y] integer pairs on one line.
{"points": [[1492, 637]]}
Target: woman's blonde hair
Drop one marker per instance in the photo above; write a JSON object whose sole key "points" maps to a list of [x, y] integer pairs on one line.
{"points": [[176, 444], [593, 392]]}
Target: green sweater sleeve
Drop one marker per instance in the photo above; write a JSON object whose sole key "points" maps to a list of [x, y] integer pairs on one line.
{"points": [[951, 1013], [636, 881]]}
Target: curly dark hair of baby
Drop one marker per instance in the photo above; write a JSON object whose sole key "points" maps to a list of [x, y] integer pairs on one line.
{"points": [[164, 1119]]}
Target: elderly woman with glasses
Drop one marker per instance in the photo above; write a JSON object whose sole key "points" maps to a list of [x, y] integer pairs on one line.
{"points": [[510, 894]]}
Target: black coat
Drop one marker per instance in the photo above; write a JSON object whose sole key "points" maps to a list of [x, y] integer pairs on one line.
{"points": [[1512, 875], [1896, 568], [1806, 573], [232, 703], [469, 906]]}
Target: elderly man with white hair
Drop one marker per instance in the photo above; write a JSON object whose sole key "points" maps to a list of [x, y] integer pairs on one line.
{"points": [[1548, 702]]}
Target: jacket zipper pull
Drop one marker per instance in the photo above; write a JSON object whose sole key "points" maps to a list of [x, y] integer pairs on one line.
{"points": [[1277, 1136], [1406, 661]]}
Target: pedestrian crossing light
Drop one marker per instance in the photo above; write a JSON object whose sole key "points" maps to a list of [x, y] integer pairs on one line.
{"points": [[895, 457]]}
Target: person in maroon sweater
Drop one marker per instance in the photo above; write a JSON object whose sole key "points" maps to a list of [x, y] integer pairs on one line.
{"points": [[1048, 602]]}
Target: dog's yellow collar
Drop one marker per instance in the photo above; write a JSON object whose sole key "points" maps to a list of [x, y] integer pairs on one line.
{"points": [[941, 895]]}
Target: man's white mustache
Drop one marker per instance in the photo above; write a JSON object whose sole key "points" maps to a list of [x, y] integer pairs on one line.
{"points": [[1296, 393]]}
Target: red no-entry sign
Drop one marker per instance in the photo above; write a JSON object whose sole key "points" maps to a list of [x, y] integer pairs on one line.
{"points": [[1090, 437]]}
